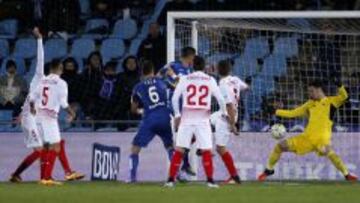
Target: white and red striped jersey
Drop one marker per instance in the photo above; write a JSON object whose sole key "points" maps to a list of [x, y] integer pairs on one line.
{"points": [[196, 91], [39, 75], [50, 95]]}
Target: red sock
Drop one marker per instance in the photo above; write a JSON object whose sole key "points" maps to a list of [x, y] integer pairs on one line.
{"points": [[63, 158], [175, 165], [27, 162], [229, 163], [208, 164], [43, 163], [51, 157]]}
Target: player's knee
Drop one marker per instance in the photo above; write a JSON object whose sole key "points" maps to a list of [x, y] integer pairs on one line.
{"points": [[221, 150], [325, 151], [135, 149], [282, 146], [56, 147], [180, 149]]}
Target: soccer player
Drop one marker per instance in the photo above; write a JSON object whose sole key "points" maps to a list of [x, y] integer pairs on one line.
{"points": [[230, 87], [48, 97], [150, 98], [28, 123], [171, 74], [196, 90], [320, 110]]}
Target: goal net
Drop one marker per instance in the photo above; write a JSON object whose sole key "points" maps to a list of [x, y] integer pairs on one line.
{"points": [[278, 57], [278, 54]]}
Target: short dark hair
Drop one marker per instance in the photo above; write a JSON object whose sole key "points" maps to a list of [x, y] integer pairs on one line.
{"points": [[55, 64], [224, 67], [10, 63], [199, 63], [147, 67], [187, 51], [111, 65], [316, 84]]}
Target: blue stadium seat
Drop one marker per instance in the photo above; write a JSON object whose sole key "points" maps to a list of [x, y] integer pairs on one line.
{"points": [[286, 46], [274, 65], [262, 85], [252, 102], [55, 48], [8, 29], [214, 58], [5, 116], [245, 66], [96, 28], [119, 67], [82, 47], [20, 65], [25, 48], [4, 48], [203, 46], [134, 46], [125, 29], [256, 47], [112, 48]]}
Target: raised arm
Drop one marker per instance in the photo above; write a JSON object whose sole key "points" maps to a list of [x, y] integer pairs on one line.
{"points": [[39, 72], [339, 99], [297, 112]]}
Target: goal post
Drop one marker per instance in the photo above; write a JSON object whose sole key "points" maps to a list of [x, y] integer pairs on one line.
{"points": [[278, 53]]}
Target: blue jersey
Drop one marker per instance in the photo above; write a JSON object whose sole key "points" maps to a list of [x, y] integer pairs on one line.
{"points": [[179, 70], [152, 95]]}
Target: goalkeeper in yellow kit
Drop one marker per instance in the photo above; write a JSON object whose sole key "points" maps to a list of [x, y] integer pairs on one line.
{"points": [[319, 110]]}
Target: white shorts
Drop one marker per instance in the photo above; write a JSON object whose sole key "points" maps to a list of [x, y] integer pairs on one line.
{"points": [[32, 137], [201, 131], [222, 129], [49, 129]]}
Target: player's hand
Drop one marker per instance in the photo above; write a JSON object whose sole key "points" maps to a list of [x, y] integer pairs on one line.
{"points": [[37, 33], [177, 123], [234, 130], [170, 72]]}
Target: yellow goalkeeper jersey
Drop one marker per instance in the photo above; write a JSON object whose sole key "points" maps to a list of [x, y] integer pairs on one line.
{"points": [[320, 114]]}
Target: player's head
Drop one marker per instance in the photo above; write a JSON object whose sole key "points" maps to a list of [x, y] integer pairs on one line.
{"points": [[224, 68], [11, 67], [148, 69], [188, 54], [56, 67], [315, 90], [199, 63]]}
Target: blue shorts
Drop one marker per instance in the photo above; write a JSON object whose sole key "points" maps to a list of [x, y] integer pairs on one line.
{"points": [[151, 126]]}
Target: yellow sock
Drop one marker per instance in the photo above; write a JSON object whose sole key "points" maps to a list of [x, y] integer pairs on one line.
{"points": [[338, 163], [274, 157]]}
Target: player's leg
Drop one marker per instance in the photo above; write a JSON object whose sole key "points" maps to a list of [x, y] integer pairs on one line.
{"points": [[183, 141], [70, 175], [141, 139], [222, 136], [28, 161], [52, 139], [204, 138], [274, 157], [337, 162], [297, 144], [165, 133], [32, 140]]}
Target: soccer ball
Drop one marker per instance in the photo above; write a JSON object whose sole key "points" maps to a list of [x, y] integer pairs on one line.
{"points": [[278, 131]]}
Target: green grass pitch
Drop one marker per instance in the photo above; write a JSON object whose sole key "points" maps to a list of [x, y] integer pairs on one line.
{"points": [[249, 192]]}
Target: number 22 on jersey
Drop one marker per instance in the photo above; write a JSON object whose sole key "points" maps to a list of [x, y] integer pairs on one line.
{"points": [[197, 95]]}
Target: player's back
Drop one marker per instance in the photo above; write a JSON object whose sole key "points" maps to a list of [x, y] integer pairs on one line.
{"points": [[52, 94], [152, 95], [196, 90], [231, 86]]}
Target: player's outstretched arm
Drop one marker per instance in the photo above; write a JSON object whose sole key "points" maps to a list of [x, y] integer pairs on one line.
{"points": [[297, 112], [340, 99], [40, 53], [176, 104]]}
